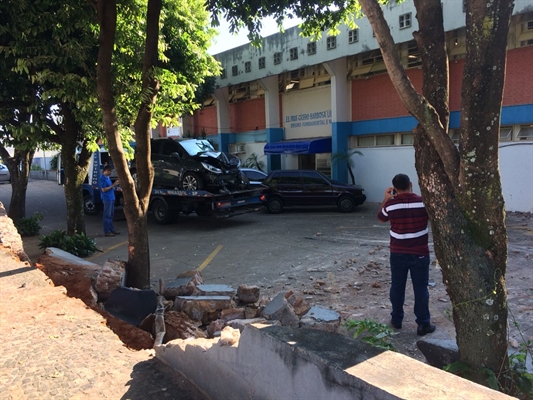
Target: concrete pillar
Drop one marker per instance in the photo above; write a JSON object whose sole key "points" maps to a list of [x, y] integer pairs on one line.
{"points": [[341, 115], [223, 119], [274, 132]]}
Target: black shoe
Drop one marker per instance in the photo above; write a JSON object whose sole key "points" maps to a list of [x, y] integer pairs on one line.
{"points": [[109, 234], [425, 329], [115, 233], [396, 325]]}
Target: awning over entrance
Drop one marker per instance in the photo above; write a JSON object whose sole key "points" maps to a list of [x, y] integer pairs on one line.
{"points": [[300, 146]]}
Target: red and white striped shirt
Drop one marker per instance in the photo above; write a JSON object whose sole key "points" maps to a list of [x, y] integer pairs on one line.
{"points": [[409, 224]]}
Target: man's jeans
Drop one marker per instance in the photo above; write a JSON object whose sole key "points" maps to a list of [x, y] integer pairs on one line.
{"points": [[418, 266], [109, 213]]}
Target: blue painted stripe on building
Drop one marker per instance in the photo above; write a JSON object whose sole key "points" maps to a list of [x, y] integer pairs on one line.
{"points": [[511, 115], [522, 114], [385, 125]]}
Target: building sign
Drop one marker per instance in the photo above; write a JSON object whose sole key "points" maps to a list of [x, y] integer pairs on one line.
{"points": [[309, 119], [307, 113]]}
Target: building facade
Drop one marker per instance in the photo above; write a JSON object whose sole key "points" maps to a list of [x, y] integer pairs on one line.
{"points": [[298, 103]]}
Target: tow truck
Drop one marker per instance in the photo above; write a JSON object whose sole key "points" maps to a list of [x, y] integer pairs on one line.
{"points": [[167, 203]]}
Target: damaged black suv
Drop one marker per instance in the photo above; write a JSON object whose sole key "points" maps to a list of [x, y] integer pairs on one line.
{"points": [[193, 164]]}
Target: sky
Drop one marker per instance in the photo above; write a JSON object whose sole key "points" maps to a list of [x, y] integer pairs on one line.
{"points": [[225, 40]]}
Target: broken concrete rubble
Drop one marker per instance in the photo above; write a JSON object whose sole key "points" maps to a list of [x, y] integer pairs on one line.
{"points": [[183, 285], [280, 309], [193, 309], [203, 308], [248, 294]]}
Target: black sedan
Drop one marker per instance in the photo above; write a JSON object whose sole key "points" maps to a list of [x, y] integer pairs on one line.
{"points": [[309, 188], [255, 176]]}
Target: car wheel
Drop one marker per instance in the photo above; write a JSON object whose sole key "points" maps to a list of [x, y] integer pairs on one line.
{"points": [[346, 204], [89, 206], [274, 205], [192, 181], [162, 214]]}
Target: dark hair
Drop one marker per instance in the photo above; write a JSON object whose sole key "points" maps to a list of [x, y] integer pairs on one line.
{"points": [[108, 168], [401, 182]]}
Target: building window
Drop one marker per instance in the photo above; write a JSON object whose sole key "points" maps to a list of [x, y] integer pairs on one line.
{"points": [[294, 53], [262, 62], [234, 70], [405, 21], [311, 48], [366, 141], [277, 58], [353, 36], [408, 138], [525, 133], [248, 66], [454, 135], [223, 73], [385, 140], [331, 42], [506, 133]]}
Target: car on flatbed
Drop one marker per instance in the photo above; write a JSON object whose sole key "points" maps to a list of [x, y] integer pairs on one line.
{"points": [[194, 164], [290, 188]]}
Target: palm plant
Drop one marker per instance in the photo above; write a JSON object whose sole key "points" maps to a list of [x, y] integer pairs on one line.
{"points": [[254, 162], [346, 157]]}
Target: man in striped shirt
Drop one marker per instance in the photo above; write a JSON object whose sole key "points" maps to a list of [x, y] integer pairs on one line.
{"points": [[409, 251]]}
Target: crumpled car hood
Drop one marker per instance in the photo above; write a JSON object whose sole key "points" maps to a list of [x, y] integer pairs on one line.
{"points": [[217, 158]]}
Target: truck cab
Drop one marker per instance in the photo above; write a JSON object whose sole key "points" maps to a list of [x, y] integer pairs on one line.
{"points": [[92, 204]]}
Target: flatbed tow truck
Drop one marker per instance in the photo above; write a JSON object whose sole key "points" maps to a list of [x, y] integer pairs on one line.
{"points": [[166, 204]]}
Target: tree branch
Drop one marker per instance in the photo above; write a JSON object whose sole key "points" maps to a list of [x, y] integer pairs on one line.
{"points": [[415, 103]]}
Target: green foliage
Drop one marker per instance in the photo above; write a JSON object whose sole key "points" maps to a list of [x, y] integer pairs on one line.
{"points": [[35, 167], [515, 380], [77, 244], [378, 335], [254, 162], [53, 162], [29, 226]]}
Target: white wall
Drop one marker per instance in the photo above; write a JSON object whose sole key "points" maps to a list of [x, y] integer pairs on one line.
{"points": [[376, 168], [516, 168]]}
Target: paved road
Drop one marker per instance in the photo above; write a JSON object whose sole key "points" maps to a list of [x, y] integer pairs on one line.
{"points": [[256, 248]]}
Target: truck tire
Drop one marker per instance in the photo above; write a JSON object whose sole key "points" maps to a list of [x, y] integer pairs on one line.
{"points": [[89, 206], [162, 214], [274, 205], [192, 181]]}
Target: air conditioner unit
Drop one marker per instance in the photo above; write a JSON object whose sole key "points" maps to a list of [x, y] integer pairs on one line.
{"points": [[236, 148]]}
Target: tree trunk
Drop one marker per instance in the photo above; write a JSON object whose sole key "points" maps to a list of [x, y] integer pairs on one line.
{"points": [[462, 189], [19, 170], [75, 167], [135, 201]]}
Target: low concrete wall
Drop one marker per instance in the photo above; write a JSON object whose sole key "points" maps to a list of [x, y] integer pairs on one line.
{"points": [[50, 175], [275, 362]]}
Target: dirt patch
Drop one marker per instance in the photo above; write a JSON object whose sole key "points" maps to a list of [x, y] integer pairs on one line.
{"points": [[358, 288]]}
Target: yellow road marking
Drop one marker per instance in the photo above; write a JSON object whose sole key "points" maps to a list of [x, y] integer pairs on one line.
{"points": [[98, 254], [210, 258]]}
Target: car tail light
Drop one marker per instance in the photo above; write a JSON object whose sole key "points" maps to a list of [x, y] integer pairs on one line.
{"points": [[263, 197], [223, 204]]}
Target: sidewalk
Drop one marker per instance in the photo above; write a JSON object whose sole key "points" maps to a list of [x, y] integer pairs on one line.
{"points": [[54, 347]]}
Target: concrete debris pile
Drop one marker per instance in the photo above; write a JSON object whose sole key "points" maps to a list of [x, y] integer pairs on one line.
{"points": [[196, 309], [192, 308]]}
